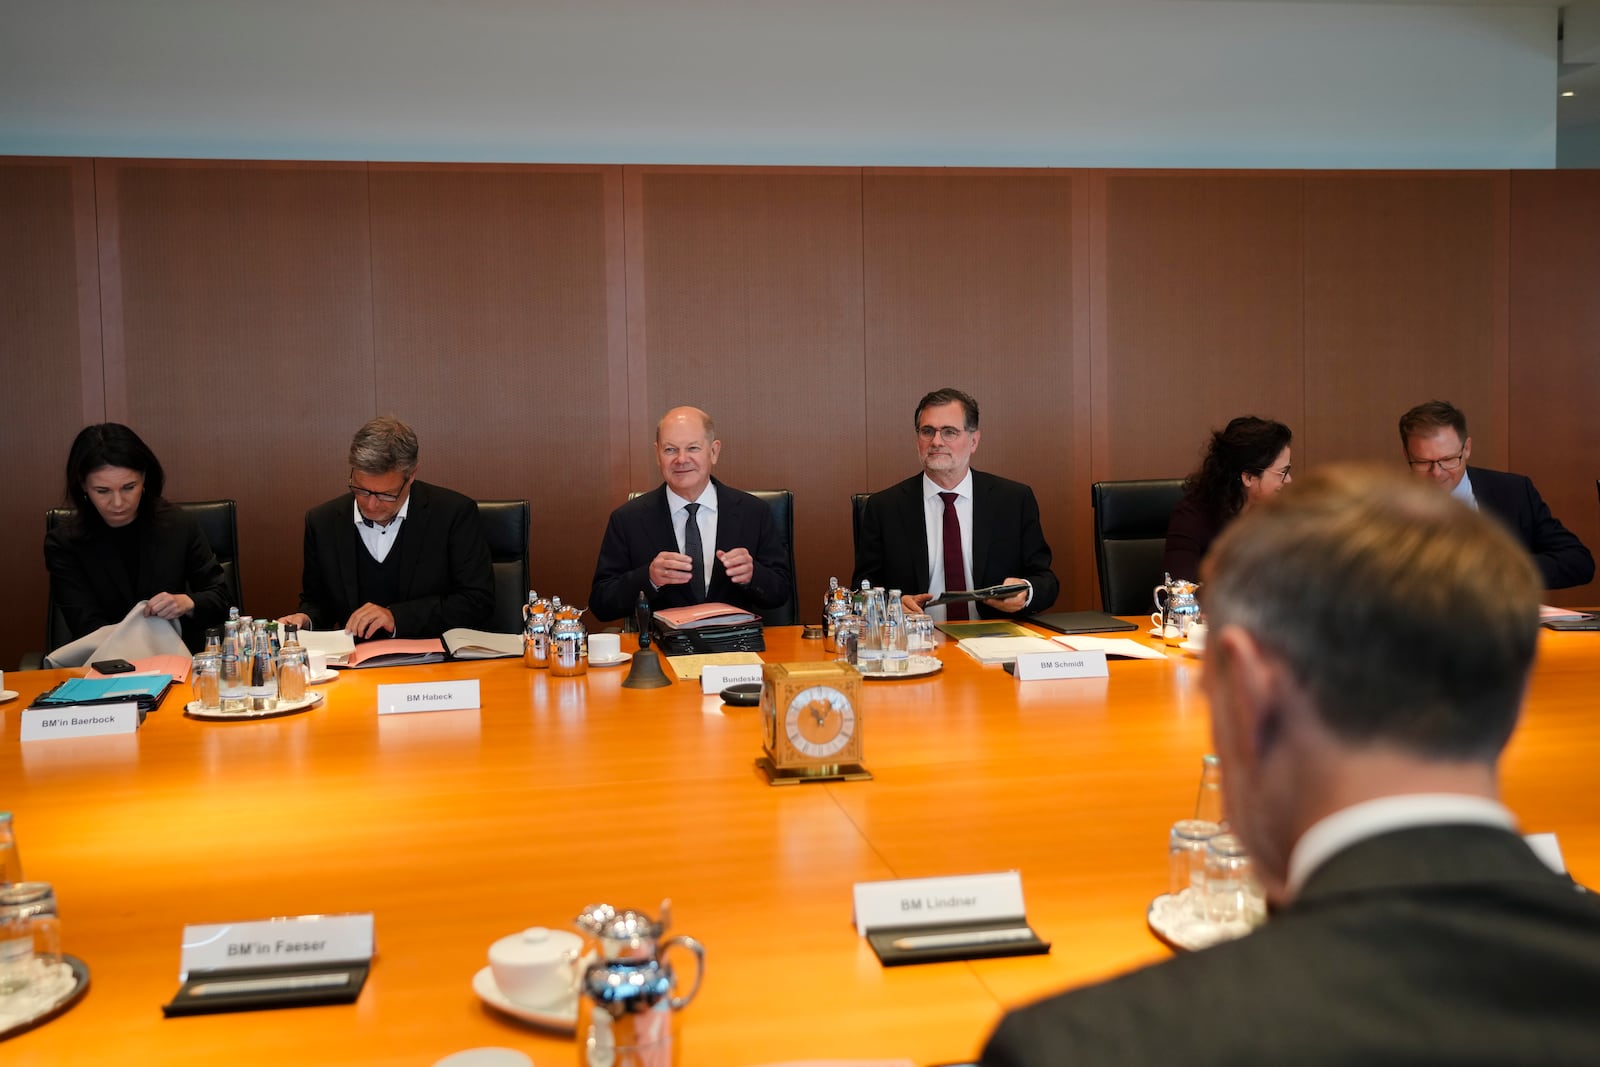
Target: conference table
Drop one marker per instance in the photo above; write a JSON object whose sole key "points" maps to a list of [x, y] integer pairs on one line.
{"points": [[455, 828]]}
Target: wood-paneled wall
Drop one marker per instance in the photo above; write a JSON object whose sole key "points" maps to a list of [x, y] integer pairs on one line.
{"points": [[532, 322]]}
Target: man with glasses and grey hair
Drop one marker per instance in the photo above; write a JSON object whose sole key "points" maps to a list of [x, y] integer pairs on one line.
{"points": [[394, 556], [1434, 436]]}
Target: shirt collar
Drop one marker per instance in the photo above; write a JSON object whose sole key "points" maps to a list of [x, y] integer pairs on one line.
{"points": [[931, 489], [1334, 833], [1463, 490], [707, 499], [361, 520]]}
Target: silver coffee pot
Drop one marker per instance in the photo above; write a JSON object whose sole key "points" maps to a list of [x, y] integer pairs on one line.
{"points": [[626, 1002], [538, 615], [1179, 611], [569, 644]]}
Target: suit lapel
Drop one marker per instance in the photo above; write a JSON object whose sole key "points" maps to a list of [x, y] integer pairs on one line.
{"points": [[980, 535], [914, 538], [729, 513], [348, 542], [414, 534]]}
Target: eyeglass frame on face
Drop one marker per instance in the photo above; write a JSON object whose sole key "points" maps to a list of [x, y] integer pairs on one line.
{"points": [[946, 434], [1283, 475], [1446, 464], [370, 494]]}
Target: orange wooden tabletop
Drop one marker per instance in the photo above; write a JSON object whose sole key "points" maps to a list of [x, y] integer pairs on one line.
{"points": [[456, 828]]}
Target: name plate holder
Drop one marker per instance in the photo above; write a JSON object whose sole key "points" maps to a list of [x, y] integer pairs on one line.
{"points": [[79, 720], [410, 697], [936, 920], [273, 963], [714, 679], [1035, 666]]}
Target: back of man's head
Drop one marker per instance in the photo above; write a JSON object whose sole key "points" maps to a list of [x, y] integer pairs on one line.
{"points": [[1409, 619]]}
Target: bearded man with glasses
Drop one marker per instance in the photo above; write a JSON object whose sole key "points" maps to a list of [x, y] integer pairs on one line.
{"points": [[393, 556], [1434, 436]]}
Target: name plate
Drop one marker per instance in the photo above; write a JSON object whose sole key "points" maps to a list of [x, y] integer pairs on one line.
{"points": [[1033, 666], [428, 696], [938, 901], [304, 939], [715, 679], [84, 720]]}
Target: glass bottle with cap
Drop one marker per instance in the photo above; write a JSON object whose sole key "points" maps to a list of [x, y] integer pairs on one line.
{"points": [[294, 665]]}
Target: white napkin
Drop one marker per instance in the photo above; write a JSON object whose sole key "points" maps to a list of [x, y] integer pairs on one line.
{"points": [[138, 635]]}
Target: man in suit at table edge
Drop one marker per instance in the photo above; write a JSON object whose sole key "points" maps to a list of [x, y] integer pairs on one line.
{"points": [[730, 551], [1434, 436], [1370, 641], [394, 556], [909, 531]]}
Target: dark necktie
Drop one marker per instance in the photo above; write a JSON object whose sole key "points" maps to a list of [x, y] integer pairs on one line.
{"points": [[955, 569], [695, 550]]}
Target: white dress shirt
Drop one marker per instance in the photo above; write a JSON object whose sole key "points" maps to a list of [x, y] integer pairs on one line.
{"points": [[706, 517], [1463, 491], [380, 539], [1334, 833]]}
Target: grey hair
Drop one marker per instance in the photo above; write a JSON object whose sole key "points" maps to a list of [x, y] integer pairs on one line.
{"points": [[382, 445]]}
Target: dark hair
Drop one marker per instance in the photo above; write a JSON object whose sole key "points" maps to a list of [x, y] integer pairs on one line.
{"points": [[1247, 445], [941, 397], [1409, 618], [111, 444], [1424, 419]]}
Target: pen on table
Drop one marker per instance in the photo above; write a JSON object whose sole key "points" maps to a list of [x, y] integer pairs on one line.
{"points": [[270, 985], [964, 938]]}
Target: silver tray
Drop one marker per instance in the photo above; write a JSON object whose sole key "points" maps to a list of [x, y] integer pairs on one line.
{"points": [[919, 667], [294, 707], [80, 986]]}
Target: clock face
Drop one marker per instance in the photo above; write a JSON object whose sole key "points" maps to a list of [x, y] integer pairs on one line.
{"points": [[820, 721]]}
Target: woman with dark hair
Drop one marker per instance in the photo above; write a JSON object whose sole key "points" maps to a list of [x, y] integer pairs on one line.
{"points": [[125, 543], [1248, 459]]}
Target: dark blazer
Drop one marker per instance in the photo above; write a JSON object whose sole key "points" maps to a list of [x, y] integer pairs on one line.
{"points": [[1560, 556], [1007, 540], [92, 588], [1190, 532], [444, 561], [1438, 945], [642, 528]]}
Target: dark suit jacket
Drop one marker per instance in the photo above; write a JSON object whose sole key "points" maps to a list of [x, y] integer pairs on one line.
{"points": [[1560, 556], [444, 561], [92, 588], [1438, 945], [1007, 540], [1190, 532], [642, 528]]}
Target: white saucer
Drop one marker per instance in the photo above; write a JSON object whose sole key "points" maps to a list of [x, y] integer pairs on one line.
{"points": [[328, 674], [1194, 648], [8, 694], [563, 1019], [619, 658]]}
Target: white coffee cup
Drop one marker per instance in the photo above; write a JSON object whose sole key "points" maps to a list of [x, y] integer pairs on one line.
{"points": [[537, 968], [1197, 635], [318, 663], [603, 648]]}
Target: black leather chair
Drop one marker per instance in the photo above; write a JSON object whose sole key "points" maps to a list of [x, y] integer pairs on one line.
{"points": [[858, 510], [506, 526], [1130, 536], [781, 501], [219, 521]]}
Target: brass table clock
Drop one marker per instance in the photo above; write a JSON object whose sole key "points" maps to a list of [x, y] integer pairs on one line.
{"points": [[811, 723]]}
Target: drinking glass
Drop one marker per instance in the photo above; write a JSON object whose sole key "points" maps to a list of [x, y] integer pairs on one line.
{"points": [[30, 933], [206, 681], [1231, 895], [919, 634], [1186, 861]]}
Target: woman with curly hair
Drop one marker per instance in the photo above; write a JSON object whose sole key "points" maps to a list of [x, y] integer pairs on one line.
{"points": [[1247, 459]]}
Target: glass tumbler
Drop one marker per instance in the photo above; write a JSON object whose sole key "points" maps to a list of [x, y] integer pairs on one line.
{"points": [[1230, 891], [205, 679], [1186, 862], [30, 934], [919, 634]]}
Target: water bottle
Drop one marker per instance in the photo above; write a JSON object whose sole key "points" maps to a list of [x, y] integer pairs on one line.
{"points": [[233, 683], [263, 691], [896, 651], [870, 652], [294, 665]]}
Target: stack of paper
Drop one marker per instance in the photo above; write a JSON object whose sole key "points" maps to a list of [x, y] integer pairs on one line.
{"points": [[1111, 646], [1003, 649], [481, 644]]}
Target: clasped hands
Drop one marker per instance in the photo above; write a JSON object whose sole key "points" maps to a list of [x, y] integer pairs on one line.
{"points": [[675, 568], [169, 605]]}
